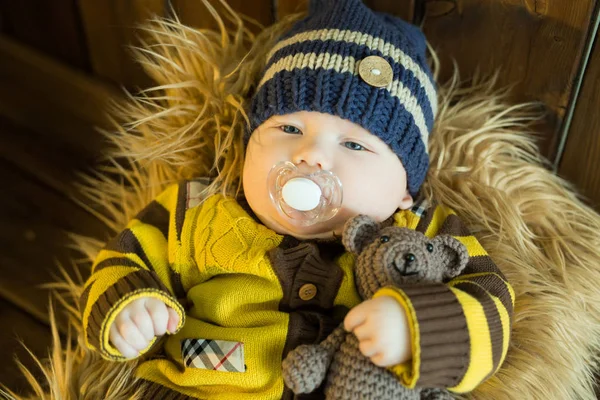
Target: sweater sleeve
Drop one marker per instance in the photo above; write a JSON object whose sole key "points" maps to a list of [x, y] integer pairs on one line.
{"points": [[136, 263], [460, 329]]}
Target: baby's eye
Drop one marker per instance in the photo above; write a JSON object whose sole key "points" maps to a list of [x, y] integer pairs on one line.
{"points": [[354, 146], [290, 129]]}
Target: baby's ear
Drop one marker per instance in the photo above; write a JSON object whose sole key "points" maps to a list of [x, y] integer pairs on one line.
{"points": [[454, 255], [359, 232]]}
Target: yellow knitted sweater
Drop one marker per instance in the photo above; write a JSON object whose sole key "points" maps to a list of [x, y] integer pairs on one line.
{"points": [[236, 283]]}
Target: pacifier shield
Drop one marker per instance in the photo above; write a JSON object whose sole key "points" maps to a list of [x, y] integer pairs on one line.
{"points": [[304, 199]]}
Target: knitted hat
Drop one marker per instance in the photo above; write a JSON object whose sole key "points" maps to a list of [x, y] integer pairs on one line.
{"points": [[367, 67]]}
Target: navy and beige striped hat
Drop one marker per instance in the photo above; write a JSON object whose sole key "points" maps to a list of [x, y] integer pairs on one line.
{"points": [[367, 67]]}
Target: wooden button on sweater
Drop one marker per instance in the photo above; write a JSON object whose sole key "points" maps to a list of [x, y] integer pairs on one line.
{"points": [[308, 291]]}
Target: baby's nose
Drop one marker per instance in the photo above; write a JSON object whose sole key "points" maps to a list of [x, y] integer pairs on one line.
{"points": [[312, 157]]}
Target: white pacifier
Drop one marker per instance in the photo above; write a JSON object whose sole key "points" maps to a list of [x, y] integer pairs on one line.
{"points": [[305, 199]]}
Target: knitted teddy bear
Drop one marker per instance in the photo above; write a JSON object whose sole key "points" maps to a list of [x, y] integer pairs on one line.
{"points": [[385, 257]]}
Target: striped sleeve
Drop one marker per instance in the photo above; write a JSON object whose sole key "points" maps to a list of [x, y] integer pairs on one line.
{"points": [[136, 263], [460, 330]]}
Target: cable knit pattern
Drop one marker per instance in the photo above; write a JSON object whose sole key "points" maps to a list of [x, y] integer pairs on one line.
{"points": [[315, 67]]}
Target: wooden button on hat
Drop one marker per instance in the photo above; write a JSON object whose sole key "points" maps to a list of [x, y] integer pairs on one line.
{"points": [[376, 71]]}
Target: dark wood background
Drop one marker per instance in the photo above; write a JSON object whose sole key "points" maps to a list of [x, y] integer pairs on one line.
{"points": [[62, 60]]}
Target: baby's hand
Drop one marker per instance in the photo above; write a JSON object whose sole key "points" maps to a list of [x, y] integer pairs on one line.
{"points": [[381, 327], [138, 323]]}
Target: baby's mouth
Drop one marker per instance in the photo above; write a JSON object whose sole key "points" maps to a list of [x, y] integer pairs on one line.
{"points": [[304, 199]]}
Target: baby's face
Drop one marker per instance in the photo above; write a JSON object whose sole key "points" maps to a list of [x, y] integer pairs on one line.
{"points": [[372, 176]]}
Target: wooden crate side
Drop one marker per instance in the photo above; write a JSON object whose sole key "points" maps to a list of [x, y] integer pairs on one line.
{"points": [[196, 14], [110, 27], [35, 220], [536, 46], [287, 7], [403, 9], [19, 327], [53, 161], [51, 27], [579, 163], [45, 96]]}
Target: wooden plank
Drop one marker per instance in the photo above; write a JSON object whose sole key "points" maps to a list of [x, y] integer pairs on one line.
{"points": [[287, 7], [194, 13], [51, 27], [579, 163], [403, 9], [47, 97], [50, 140], [110, 26], [535, 45], [50, 160], [18, 326], [34, 220], [3, 25]]}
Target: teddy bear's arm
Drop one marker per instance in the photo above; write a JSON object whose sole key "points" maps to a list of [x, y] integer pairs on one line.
{"points": [[305, 367]]}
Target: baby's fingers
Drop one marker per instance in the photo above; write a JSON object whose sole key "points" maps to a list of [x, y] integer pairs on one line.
{"points": [[158, 314], [131, 333], [173, 320], [117, 340], [355, 318], [142, 319], [365, 332], [382, 360], [368, 348]]}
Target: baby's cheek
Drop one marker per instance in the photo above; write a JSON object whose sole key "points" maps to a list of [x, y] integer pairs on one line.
{"points": [[368, 196]]}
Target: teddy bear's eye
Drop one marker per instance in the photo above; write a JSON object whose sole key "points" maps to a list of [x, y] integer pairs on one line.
{"points": [[430, 247], [384, 239], [409, 258]]}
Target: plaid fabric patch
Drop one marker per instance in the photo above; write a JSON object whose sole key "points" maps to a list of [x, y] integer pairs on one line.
{"points": [[217, 355], [195, 192], [420, 208]]}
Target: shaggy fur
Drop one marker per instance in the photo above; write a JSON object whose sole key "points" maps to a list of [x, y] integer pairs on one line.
{"points": [[485, 165]]}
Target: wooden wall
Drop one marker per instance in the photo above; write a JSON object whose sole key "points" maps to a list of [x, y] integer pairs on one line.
{"points": [[580, 163]]}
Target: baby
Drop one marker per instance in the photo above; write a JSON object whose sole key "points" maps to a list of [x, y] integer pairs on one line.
{"points": [[214, 291]]}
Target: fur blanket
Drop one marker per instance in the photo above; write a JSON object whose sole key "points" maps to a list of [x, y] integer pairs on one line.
{"points": [[485, 165]]}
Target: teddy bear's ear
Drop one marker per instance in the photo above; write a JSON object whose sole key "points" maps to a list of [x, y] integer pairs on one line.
{"points": [[359, 232], [453, 253]]}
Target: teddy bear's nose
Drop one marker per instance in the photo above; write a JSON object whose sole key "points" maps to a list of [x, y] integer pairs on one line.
{"points": [[403, 264]]}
